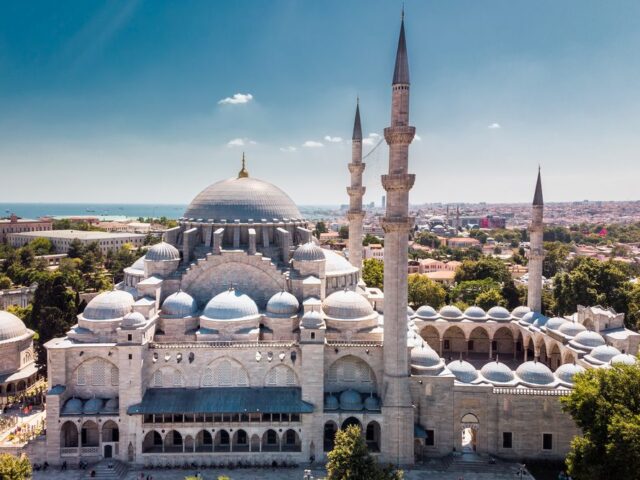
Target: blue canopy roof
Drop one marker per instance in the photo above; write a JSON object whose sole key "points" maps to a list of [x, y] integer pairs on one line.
{"points": [[222, 400]]}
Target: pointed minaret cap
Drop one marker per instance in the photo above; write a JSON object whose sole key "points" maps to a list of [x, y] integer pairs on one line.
{"points": [[357, 127], [401, 72], [243, 173], [537, 197]]}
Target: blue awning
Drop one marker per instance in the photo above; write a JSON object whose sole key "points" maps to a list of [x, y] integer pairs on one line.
{"points": [[222, 400]]}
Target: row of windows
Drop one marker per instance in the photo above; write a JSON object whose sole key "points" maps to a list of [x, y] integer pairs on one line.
{"points": [[223, 418], [507, 440]]}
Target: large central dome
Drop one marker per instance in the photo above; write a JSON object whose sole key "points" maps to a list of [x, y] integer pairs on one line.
{"points": [[243, 199]]}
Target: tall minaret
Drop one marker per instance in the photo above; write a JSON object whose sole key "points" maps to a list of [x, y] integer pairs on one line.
{"points": [[397, 410], [536, 250], [356, 192]]}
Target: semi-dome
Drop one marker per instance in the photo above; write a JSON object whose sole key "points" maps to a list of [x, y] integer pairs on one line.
{"points": [[243, 199], [475, 313], [424, 356], [133, 319], [499, 313], [555, 323], [161, 252], [571, 329], [567, 371], [624, 358], [230, 305], [426, 312], [336, 263], [463, 371], [497, 372], [520, 312], [350, 400], [73, 406], [588, 339], [312, 319], [535, 373], [308, 252], [603, 353], [179, 305], [109, 305], [347, 305], [450, 312], [92, 406], [283, 303], [10, 326]]}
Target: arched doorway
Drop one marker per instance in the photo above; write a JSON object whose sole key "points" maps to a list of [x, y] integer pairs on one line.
{"points": [[110, 432], [479, 344], [152, 442], [469, 425], [372, 436], [453, 342], [542, 353], [108, 451], [204, 441], [173, 442], [351, 421], [555, 358], [430, 335], [69, 435], [503, 343], [222, 441], [270, 441], [90, 436], [240, 441], [330, 430], [291, 441]]}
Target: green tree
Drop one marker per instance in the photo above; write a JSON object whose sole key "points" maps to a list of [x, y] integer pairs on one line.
{"points": [[604, 404], [321, 227], [427, 239], [76, 249], [468, 291], [14, 468], [351, 460], [424, 291], [555, 258], [41, 246], [485, 267], [369, 239], [373, 272], [5, 282], [490, 298], [343, 232]]}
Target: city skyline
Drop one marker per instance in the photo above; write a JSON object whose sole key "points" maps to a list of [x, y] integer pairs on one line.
{"points": [[113, 92]]}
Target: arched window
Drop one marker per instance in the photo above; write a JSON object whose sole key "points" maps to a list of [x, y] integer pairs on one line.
{"points": [[281, 376], [157, 379], [350, 372], [81, 375], [115, 377], [225, 373], [98, 373]]}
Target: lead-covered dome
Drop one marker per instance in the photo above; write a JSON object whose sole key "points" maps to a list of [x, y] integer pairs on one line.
{"points": [[230, 305], [179, 305], [499, 314], [463, 371], [450, 312], [555, 323], [347, 305], [426, 312], [567, 371], [520, 311], [283, 303], [161, 252], [497, 372], [475, 313], [424, 356], [571, 329], [587, 339], [243, 199], [109, 305], [133, 319], [602, 354], [308, 252], [351, 400], [10, 326], [535, 373], [624, 358]]}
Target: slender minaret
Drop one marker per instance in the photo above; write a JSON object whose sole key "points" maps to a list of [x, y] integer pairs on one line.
{"points": [[536, 250], [397, 410], [356, 192]]}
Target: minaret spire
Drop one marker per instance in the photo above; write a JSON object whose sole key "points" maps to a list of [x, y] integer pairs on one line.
{"points": [[401, 71], [356, 192], [537, 197], [536, 249], [243, 173]]}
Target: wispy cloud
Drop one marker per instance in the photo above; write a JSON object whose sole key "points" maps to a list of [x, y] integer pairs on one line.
{"points": [[333, 139], [494, 126], [312, 144], [290, 148], [418, 138], [240, 142], [238, 98], [372, 139]]}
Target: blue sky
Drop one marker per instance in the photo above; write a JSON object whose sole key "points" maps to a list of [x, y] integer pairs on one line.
{"points": [[121, 101]]}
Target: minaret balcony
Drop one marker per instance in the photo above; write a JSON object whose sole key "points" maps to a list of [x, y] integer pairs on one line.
{"points": [[400, 135], [357, 168], [397, 224], [399, 182], [356, 191]]}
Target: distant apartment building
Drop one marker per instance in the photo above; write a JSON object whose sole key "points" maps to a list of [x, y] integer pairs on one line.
{"points": [[14, 224], [124, 227], [373, 229], [373, 250], [61, 239], [462, 242]]}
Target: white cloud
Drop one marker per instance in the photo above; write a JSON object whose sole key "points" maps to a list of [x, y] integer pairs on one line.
{"points": [[494, 126], [312, 144], [238, 98], [333, 139], [371, 139], [418, 138], [290, 148], [240, 142]]}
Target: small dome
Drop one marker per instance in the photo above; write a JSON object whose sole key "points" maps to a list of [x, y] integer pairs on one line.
{"points": [[424, 356], [109, 305], [410, 311], [497, 372], [567, 371], [10, 326], [536, 373], [426, 312], [475, 313], [371, 403], [588, 339], [555, 323], [92, 406], [308, 252], [331, 403], [450, 312], [133, 319], [112, 405], [540, 321], [624, 358], [499, 314], [347, 305], [350, 400], [336, 263], [161, 252], [138, 264], [283, 303], [73, 406], [571, 329], [179, 305], [520, 312], [230, 305], [529, 318], [312, 319], [463, 371], [603, 353]]}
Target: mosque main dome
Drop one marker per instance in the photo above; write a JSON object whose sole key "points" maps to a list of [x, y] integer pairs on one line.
{"points": [[242, 198]]}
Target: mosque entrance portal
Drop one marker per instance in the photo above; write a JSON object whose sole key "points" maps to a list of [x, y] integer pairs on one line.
{"points": [[469, 433]]}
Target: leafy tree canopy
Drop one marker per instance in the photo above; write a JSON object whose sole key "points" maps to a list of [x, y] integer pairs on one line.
{"points": [[14, 468], [373, 272], [424, 291]]}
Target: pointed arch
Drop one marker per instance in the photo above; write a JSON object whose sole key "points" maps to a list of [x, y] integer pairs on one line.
{"points": [[95, 371], [350, 372], [281, 376], [225, 372]]}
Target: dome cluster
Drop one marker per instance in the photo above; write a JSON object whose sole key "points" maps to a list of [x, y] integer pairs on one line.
{"points": [[347, 305], [474, 313], [93, 406], [352, 400], [111, 305]]}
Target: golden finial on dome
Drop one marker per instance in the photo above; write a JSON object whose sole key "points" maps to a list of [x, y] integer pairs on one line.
{"points": [[243, 173]]}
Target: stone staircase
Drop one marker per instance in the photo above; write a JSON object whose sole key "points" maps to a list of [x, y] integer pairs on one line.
{"points": [[103, 471], [473, 462]]}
